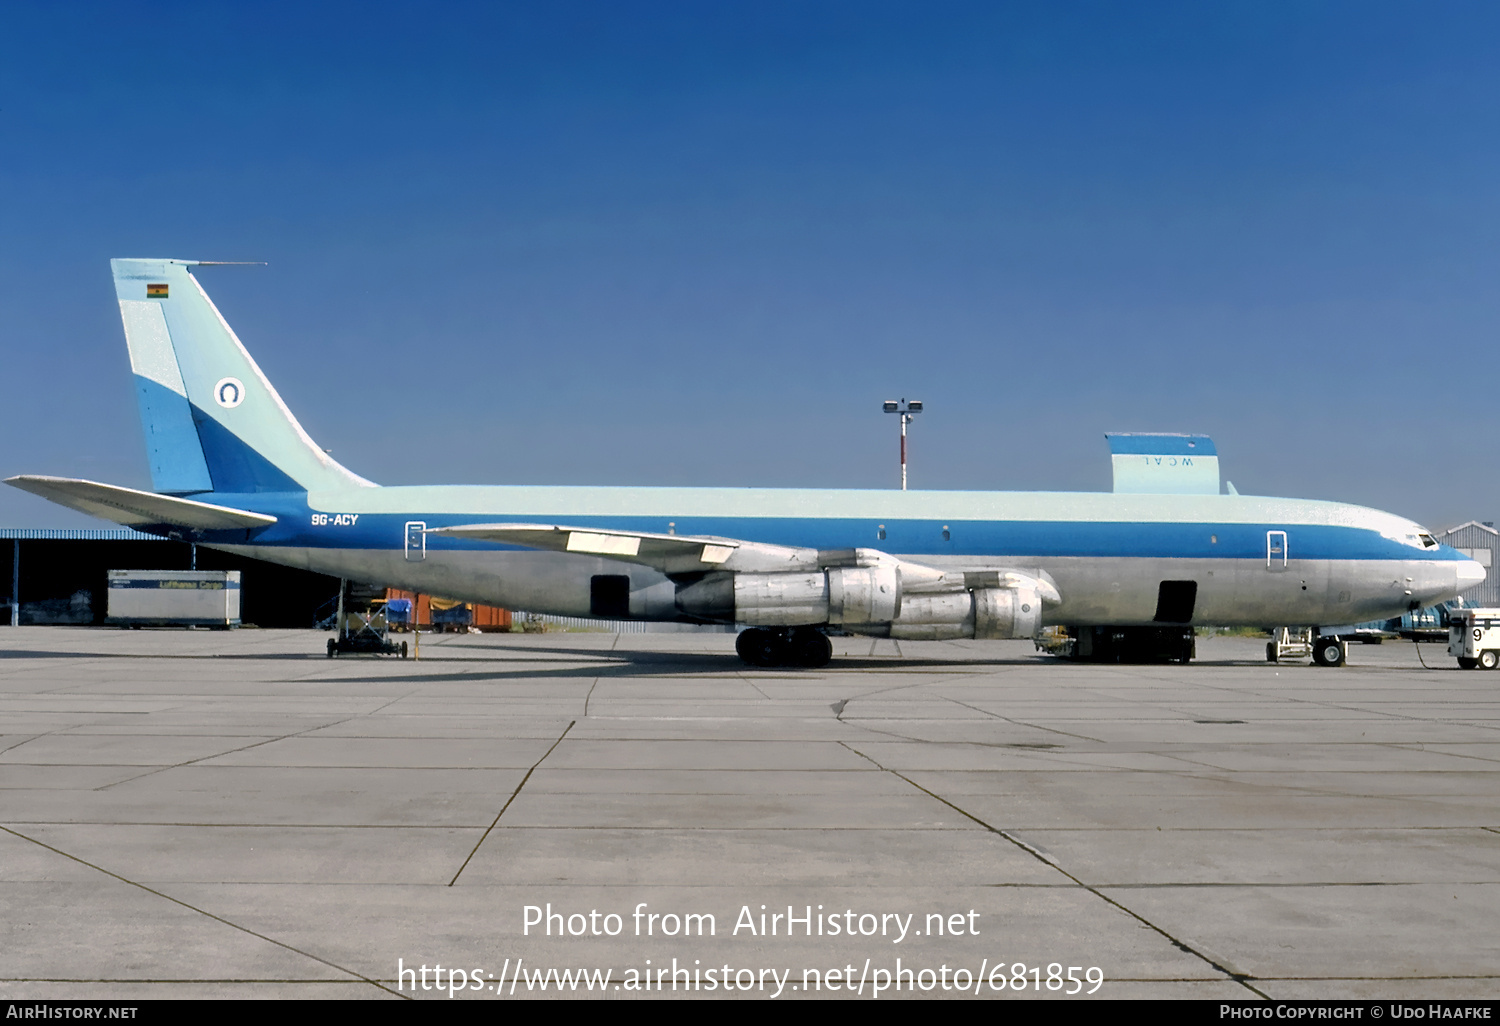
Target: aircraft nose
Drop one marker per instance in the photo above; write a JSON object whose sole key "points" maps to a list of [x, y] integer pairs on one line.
{"points": [[1469, 573]]}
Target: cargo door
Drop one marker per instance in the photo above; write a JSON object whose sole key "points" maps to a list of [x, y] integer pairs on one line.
{"points": [[609, 596], [1175, 601]]}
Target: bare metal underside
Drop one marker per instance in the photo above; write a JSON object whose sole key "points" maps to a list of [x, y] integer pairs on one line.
{"points": [[1093, 591]]}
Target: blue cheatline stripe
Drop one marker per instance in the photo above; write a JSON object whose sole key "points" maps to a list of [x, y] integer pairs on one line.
{"points": [[1020, 539]]}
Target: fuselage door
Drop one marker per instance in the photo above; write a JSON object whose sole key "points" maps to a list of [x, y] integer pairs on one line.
{"points": [[416, 540], [1276, 551]]}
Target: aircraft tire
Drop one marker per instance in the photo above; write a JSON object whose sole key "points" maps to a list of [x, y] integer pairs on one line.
{"points": [[760, 647], [331, 649], [1489, 659], [1270, 651], [743, 643], [1467, 664], [810, 647], [1328, 652], [1188, 650]]}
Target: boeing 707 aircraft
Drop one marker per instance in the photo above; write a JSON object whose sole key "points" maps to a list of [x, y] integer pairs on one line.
{"points": [[231, 468]]}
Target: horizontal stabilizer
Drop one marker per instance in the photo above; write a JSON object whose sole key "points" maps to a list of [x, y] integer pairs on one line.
{"points": [[135, 508], [1164, 464]]}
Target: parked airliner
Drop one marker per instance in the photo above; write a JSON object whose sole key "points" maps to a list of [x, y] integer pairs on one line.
{"points": [[1130, 570]]}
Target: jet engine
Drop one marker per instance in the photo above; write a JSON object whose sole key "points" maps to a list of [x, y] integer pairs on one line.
{"points": [[984, 613], [872, 600], [836, 596]]}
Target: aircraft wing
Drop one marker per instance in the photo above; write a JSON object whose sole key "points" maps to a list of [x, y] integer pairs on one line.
{"points": [[675, 554], [669, 553], [135, 508]]}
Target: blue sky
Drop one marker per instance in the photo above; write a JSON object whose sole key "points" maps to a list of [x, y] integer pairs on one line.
{"points": [[698, 243]]}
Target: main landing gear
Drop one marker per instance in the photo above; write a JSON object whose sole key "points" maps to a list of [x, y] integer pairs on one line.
{"points": [[784, 646]]}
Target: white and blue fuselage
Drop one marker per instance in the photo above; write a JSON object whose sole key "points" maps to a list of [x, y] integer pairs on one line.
{"points": [[232, 469], [1257, 561]]}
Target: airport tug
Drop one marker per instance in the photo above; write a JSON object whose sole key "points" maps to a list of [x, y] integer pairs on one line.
{"points": [[1474, 638]]}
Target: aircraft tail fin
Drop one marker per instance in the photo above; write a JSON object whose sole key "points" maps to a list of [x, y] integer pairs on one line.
{"points": [[213, 421]]}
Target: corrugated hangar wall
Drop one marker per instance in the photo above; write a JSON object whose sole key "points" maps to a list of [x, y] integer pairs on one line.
{"points": [[63, 577], [1482, 542]]}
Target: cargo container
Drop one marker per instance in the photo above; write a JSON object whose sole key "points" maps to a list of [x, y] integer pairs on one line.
{"points": [[178, 598], [490, 618]]}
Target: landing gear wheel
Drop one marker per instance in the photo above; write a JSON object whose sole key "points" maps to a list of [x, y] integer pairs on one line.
{"points": [[332, 648], [1488, 660], [1328, 652], [1270, 651], [1187, 650], [760, 647], [744, 645], [809, 647], [800, 646], [1467, 664], [403, 650]]}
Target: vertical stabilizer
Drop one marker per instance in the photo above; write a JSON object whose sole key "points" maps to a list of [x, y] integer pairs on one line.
{"points": [[212, 420]]}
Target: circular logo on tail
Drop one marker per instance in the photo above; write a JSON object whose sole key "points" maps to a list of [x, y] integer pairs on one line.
{"points": [[229, 392]]}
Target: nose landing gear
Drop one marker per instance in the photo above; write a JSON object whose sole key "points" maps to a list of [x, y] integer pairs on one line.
{"points": [[784, 646], [1329, 651]]}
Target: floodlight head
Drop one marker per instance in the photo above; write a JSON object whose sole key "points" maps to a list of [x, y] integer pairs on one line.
{"points": [[889, 406], [915, 406]]}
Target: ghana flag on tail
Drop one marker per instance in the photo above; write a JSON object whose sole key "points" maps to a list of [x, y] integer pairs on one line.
{"points": [[156, 292]]}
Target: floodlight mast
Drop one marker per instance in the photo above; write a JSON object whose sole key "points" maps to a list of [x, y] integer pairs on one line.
{"points": [[907, 410]]}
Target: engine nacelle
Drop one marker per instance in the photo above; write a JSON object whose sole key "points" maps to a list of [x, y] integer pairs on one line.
{"points": [[1007, 612], [854, 595], [781, 600], [869, 594], [870, 600], [984, 613]]}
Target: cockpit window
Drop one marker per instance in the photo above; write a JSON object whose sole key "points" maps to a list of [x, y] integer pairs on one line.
{"points": [[1416, 537]]}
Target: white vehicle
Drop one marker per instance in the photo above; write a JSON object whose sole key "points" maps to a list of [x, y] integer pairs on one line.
{"points": [[1474, 637]]}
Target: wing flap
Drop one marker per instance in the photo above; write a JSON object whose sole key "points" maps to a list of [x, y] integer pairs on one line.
{"points": [[670, 553], [688, 554], [684, 554], [136, 508]]}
